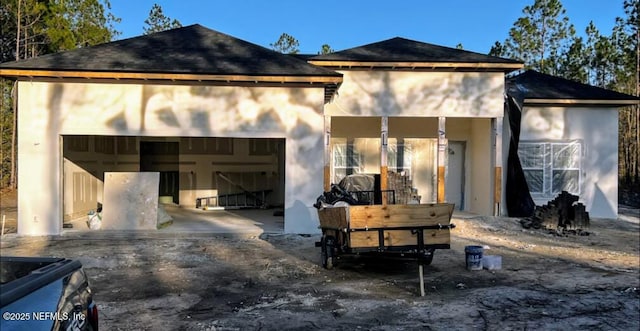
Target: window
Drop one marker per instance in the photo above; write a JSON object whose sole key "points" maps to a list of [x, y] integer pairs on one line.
{"points": [[565, 168], [551, 167], [346, 161], [399, 157], [532, 158]]}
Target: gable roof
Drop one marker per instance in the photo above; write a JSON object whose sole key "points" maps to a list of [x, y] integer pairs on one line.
{"points": [[410, 54], [538, 88], [191, 52]]}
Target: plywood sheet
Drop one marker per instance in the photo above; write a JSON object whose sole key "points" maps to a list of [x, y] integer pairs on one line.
{"points": [[333, 218], [130, 201], [364, 239], [378, 216]]}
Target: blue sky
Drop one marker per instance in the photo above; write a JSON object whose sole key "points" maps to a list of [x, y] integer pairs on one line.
{"points": [[343, 24]]}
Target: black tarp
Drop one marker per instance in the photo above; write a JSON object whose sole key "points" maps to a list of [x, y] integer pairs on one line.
{"points": [[355, 189], [519, 201]]}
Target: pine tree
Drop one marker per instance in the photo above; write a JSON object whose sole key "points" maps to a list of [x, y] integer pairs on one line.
{"points": [[626, 38], [497, 50], [326, 49], [540, 37], [157, 21], [32, 28], [286, 44], [573, 62], [601, 57], [79, 23]]}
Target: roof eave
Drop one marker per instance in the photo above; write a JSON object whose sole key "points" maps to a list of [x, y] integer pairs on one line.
{"points": [[175, 77], [400, 65], [579, 102]]}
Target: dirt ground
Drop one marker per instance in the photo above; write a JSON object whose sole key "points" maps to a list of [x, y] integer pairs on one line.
{"points": [[151, 281]]}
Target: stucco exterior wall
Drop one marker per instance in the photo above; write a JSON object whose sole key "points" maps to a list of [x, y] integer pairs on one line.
{"points": [[413, 101], [47, 110], [597, 130], [423, 94], [481, 172]]}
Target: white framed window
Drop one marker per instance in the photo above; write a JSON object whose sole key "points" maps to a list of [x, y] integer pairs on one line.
{"points": [[346, 161], [552, 167], [532, 157]]}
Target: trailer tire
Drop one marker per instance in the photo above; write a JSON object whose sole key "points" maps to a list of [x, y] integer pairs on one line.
{"points": [[428, 257], [328, 252]]}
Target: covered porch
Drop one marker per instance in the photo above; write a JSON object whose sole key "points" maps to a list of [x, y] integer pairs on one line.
{"points": [[443, 159]]}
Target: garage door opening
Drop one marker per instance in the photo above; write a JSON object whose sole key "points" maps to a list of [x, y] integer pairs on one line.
{"points": [[242, 179], [162, 157]]}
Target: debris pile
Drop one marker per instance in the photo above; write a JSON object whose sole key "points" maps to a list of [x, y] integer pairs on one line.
{"points": [[401, 184], [564, 214], [334, 195], [364, 189], [94, 219]]}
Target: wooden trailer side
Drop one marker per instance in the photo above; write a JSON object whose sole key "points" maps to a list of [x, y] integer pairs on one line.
{"points": [[394, 216], [334, 218], [381, 216]]}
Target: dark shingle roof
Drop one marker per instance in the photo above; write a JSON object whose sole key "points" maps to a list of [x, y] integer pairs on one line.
{"points": [[192, 49], [405, 50], [535, 85]]}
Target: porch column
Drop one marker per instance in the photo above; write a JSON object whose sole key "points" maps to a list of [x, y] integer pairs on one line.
{"points": [[327, 153], [442, 150], [497, 189], [384, 135]]}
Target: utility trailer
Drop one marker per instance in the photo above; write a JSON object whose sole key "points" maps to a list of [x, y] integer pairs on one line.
{"points": [[402, 231]]}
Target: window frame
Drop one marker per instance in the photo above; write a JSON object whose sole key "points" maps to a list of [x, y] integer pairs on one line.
{"points": [[550, 150], [355, 162]]}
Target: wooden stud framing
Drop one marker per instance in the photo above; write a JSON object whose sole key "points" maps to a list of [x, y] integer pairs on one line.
{"points": [[327, 153], [498, 190], [442, 154], [384, 140], [497, 176]]}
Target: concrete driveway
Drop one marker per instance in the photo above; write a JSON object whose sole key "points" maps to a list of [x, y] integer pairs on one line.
{"points": [[192, 220], [224, 221]]}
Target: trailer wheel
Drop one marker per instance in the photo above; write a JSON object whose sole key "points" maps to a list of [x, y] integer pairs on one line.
{"points": [[327, 251], [428, 256]]}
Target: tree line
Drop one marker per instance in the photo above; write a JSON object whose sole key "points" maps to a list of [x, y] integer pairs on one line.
{"points": [[546, 41], [543, 38], [31, 28]]}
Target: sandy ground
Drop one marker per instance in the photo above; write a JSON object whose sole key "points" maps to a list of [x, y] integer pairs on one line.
{"points": [[190, 281]]}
